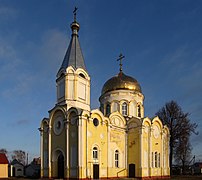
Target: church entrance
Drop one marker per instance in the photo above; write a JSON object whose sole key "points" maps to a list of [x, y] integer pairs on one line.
{"points": [[131, 170], [95, 171], [61, 166]]}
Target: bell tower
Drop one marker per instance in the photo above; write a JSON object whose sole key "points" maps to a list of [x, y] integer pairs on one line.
{"points": [[73, 81]]}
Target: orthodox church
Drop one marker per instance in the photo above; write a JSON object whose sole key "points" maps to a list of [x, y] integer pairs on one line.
{"points": [[113, 141]]}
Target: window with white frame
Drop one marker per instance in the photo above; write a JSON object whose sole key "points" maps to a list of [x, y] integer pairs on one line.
{"points": [[95, 153], [124, 109], [117, 158]]}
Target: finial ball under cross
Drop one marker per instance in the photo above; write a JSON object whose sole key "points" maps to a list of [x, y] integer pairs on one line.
{"points": [[120, 59]]}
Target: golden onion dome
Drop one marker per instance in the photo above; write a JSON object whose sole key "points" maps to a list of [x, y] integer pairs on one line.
{"points": [[121, 81]]}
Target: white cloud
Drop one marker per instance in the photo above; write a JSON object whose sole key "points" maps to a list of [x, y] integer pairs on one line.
{"points": [[22, 122], [21, 85], [22, 71], [176, 59], [53, 48], [8, 13], [5, 50]]}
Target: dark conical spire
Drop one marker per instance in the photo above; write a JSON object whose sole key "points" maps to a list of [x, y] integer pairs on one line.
{"points": [[74, 56]]}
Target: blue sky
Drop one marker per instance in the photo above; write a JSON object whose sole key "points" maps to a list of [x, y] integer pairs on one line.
{"points": [[161, 41]]}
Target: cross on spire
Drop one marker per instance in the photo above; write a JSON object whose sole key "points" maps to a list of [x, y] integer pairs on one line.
{"points": [[75, 9], [120, 59]]}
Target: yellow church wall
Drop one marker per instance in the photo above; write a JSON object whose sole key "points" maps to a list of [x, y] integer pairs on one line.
{"points": [[3, 170], [117, 142], [156, 138], [85, 89], [145, 151], [58, 143], [44, 171], [108, 137], [44, 144], [73, 150], [84, 164], [70, 86], [97, 137], [57, 146], [77, 88], [165, 149], [134, 150]]}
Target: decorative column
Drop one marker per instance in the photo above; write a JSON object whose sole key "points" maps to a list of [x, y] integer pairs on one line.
{"points": [[152, 156], [109, 164], [80, 154], [41, 151], [167, 152], [141, 154], [67, 148], [86, 148], [49, 152], [126, 148], [149, 151]]}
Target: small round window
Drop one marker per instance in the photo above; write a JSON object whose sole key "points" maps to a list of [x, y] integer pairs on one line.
{"points": [[95, 122]]}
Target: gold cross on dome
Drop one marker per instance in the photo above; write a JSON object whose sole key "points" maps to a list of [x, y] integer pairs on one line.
{"points": [[120, 59]]}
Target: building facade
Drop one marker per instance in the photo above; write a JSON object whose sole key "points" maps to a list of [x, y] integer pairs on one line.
{"points": [[113, 141], [3, 166], [16, 169]]}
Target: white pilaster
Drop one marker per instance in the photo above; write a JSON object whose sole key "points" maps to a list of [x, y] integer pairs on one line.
{"points": [[41, 153], [80, 154], [140, 133], [149, 151], [67, 147], [126, 149], [162, 155], [49, 151]]}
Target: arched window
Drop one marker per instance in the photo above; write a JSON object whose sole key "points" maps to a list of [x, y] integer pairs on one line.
{"points": [[82, 75], [156, 160], [138, 111], [159, 160], [95, 153], [124, 109], [108, 110], [117, 158]]}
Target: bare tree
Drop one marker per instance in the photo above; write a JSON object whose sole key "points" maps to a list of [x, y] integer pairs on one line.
{"points": [[183, 152], [19, 155], [179, 125], [3, 150]]}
